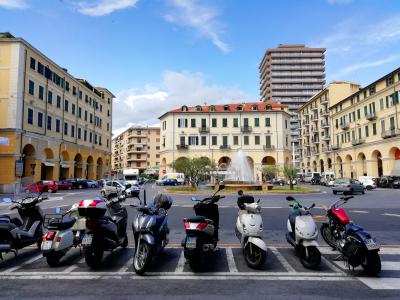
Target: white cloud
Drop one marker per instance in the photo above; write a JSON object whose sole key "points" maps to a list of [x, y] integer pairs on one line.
{"points": [[102, 7], [142, 107], [198, 16], [13, 4]]}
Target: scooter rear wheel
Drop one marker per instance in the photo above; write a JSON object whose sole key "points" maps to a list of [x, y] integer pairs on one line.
{"points": [[53, 259], [254, 256], [93, 257], [314, 257], [372, 264]]}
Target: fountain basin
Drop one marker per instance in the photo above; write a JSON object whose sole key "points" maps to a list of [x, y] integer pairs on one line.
{"points": [[245, 186]]}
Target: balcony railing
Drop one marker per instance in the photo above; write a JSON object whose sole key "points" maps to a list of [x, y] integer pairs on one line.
{"points": [[246, 129], [269, 148], [316, 141], [356, 142], [390, 133], [326, 137], [225, 147], [345, 126], [371, 117], [182, 147], [204, 129], [324, 112], [324, 124], [335, 147]]}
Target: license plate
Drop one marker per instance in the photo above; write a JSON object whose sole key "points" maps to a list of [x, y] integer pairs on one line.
{"points": [[371, 244], [87, 239], [191, 242], [46, 245]]}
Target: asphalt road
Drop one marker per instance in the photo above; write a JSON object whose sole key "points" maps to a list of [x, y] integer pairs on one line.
{"points": [[226, 274]]}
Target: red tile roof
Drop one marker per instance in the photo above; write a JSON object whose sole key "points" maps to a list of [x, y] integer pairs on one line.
{"points": [[246, 107]]}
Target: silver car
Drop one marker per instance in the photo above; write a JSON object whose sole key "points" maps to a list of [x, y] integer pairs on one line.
{"points": [[115, 187], [348, 185]]}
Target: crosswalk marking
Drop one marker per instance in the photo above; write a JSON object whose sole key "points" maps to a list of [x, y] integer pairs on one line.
{"points": [[231, 260], [391, 215], [282, 260], [181, 263], [391, 265], [331, 265], [126, 266], [381, 283]]}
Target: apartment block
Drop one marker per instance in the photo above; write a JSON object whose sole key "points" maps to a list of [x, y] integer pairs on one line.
{"points": [[136, 148], [52, 125], [259, 130]]}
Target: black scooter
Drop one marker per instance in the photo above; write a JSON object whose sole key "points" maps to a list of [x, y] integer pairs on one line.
{"points": [[106, 222], [202, 231], [14, 234]]}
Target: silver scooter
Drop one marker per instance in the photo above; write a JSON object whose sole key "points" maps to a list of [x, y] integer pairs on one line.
{"points": [[249, 227]]}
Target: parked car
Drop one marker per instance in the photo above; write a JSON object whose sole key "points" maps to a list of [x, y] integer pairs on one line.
{"points": [[116, 186], [78, 183], [368, 182], [42, 187], [93, 183], [64, 185], [133, 191], [309, 176], [396, 184], [387, 181], [169, 181], [348, 185]]}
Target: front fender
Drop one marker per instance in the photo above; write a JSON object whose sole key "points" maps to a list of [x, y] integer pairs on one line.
{"points": [[258, 242], [148, 238], [308, 243]]}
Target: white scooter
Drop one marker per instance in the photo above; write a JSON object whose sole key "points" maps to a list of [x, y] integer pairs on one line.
{"points": [[303, 234], [64, 232], [249, 227]]}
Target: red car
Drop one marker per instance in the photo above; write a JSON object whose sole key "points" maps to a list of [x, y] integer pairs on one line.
{"points": [[64, 185], [42, 186]]}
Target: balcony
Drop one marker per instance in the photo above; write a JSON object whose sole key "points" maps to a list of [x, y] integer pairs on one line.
{"points": [[314, 129], [345, 126], [268, 148], [136, 159], [225, 147], [335, 147], [204, 129], [371, 117], [315, 152], [324, 100], [356, 142], [246, 129], [390, 133], [315, 141], [315, 108], [326, 138], [325, 125], [182, 147], [307, 154], [306, 133], [327, 149], [137, 135], [306, 122], [324, 112], [136, 150]]}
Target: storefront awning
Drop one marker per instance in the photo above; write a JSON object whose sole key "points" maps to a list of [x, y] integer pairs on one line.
{"points": [[64, 166], [48, 164]]}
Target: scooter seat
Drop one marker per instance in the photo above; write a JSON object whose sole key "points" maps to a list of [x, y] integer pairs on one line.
{"points": [[5, 217], [197, 219], [61, 225]]}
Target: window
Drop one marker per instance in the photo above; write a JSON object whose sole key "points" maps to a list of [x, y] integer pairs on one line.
{"points": [[256, 122], [90, 137], [359, 133], [40, 119], [30, 116], [225, 140], [374, 129], [91, 118], [65, 128], [58, 125], [182, 140], [214, 140], [193, 123], [33, 63], [257, 140], [214, 122], [66, 105], [203, 123], [182, 123], [366, 131], [236, 140], [246, 139], [66, 85], [286, 124], [268, 141], [31, 88], [50, 97], [73, 90], [80, 113], [267, 122], [389, 81], [193, 140], [246, 122], [80, 94], [48, 123], [40, 68], [72, 130], [365, 110], [224, 122], [85, 115], [358, 114], [382, 125], [85, 135], [41, 91], [235, 122], [73, 109], [58, 101], [392, 126], [203, 140]]}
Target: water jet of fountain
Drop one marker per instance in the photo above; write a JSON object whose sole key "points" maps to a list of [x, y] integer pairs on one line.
{"points": [[239, 169]]}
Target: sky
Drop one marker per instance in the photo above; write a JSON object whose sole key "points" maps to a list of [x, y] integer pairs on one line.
{"points": [[156, 55]]}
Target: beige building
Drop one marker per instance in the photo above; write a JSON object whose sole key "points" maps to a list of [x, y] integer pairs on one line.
{"points": [[136, 148], [364, 130], [260, 130], [315, 126], [52, 125]]}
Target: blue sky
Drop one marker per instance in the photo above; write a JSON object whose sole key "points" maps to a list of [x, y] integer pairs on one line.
{"points": [[156, 55]]}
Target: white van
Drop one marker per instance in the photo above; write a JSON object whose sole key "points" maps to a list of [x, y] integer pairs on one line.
{"points": [[309, 176], [368, 182], [180, 177], [327, 177]]}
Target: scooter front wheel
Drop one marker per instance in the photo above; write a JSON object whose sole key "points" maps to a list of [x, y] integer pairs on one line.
{"points": [[327, 236], [142, 258], [254, 256], [312, 260], [93, 256]]}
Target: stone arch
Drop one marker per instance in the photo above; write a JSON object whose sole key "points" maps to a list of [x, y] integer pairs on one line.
{"points": [[90, 167], [268, 161], [339, 164], [99, 169], [322, 165], [47, 170], [29, 161], [348, 168], [361, 164], [78, 166], [377, 165], [394, 161], [329, 164], [224, 162]]}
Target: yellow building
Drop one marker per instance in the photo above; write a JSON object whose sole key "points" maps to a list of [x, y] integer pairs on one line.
{"points": [[315, 127], [260, 130], [52, 125], [136, 148], [366, 130]]}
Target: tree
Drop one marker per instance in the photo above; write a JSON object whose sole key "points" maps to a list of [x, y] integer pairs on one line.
{"points": [[195, 169], [290, 173], [270, 172]]}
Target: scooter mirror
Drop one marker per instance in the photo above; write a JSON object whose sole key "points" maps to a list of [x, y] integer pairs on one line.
{"points": [[289, 198], [194, 198], [312, 206], [58, 210], [7, 200]]}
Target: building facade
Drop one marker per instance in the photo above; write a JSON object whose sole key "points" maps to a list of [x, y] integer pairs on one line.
{"points": [[366, 130], [291, 74], [260, 131], [136, 148], [315, 130], [52, 125]]}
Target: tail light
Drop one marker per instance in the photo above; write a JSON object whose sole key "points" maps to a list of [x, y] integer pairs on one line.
{"points": [[186, 224], [201, 226], [58, 239], [49, 236], [91, 224]]}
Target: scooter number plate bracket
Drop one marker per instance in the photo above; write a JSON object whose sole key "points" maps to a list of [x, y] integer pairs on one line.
{"points": [[191, 242], [87, 239], [371, 244], [46, 245]]}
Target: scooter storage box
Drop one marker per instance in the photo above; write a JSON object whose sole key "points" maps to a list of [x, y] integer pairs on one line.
{"points": [[92, 208]]}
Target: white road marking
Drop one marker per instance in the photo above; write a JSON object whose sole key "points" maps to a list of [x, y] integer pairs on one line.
{"points": [[391, 215], [282, 260], [231, 260], [360, 211], [381, 283], [391, 265], [74, 266], [385, 250], [12, 269], [331, 266], [272, 207], [181, 263]]}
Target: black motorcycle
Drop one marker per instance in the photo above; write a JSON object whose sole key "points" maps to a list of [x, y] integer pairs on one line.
{"points": [[202, 230], [14, 234], [106, 222], [150, 231]]}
